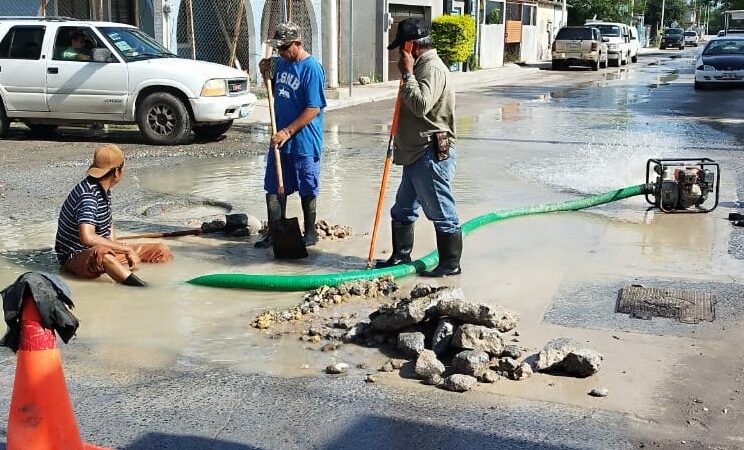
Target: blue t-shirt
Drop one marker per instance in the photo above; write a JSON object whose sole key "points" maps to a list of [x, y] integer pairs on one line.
{"points": [[297, 86]]}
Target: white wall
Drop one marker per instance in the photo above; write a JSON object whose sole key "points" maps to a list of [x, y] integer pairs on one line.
{"points": [[529, 50], [491, 46]]}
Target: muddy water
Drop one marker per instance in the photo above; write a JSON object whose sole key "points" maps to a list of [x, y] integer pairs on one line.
{"points": [[516, 148]]}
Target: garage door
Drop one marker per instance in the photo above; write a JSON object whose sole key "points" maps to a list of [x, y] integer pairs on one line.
{"points": [[400, 13]]}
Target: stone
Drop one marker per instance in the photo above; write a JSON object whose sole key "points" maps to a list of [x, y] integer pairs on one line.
{"points": [[508, 365], [397, 363], [511, 351], [361, 365], [411, 344], [459, 383], [344, 323], [387, 367], [364, 80], [330, 347], [477, 337], [314, 339], [371, 379], [427, 365], [490, 376], [476, 313], [434, 380], [356, 333], [470, 362], [582, 363], [599, 392], [442, 337], [424, 289], [337, 369], [403, 314], [522, 372], [552, 355]]}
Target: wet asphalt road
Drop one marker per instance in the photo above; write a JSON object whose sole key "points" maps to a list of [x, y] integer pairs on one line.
{"points": [[198, 405]]}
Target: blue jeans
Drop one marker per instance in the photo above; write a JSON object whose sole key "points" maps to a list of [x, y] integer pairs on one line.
{"points": [[426, 183]]}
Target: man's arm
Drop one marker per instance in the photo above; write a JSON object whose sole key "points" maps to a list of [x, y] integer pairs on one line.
{"points": [[89, 238], [283, 135], [420, 95]]}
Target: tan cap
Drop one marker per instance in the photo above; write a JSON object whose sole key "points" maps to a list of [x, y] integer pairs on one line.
{"points": [[107, 157]]}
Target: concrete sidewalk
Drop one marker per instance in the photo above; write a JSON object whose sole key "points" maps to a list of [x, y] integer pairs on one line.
{"points": [[462, 81]]}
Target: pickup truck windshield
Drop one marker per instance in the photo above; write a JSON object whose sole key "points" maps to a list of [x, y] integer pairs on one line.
{"points": [[608, 30], [133, 44], [673, 32]]}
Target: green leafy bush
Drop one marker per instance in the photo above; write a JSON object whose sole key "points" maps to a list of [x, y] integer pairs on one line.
{"points": [[453, 37]]}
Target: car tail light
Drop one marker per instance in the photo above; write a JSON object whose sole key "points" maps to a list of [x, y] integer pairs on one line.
{"points": [[594, 46], [553, 45]]}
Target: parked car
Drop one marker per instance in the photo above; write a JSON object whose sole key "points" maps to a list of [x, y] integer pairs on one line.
{"points": [[691, 38], [633, 43], [617, 37], [721, 63], [721, 33], [673, 37], [579, 46], [68, 72]]}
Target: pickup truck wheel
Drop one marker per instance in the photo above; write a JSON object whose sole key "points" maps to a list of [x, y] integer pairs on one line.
{"points": [[595, 64], [211, 132], [634, 58], [163, 119], [4, 121]]}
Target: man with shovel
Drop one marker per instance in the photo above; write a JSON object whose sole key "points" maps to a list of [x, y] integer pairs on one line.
{"points": [[423, 146], [298, 85], [85, 243]]}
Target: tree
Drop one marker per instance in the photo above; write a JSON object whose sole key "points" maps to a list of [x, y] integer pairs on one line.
{"points": [[674, 11], [453, 37], [607, 10]]}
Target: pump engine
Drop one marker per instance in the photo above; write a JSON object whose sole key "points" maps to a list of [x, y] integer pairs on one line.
{"points": [[681, 184]]}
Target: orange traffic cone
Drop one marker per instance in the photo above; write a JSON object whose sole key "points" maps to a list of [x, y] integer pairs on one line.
{"points": [[41, 416]]}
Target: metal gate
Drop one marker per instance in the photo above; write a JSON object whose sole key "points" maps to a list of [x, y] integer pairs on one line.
{"points": [[215, 30], [79, 9], [275, 12]]}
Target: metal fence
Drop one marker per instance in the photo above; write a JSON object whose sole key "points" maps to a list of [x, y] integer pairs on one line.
{"points": [[278, 11], [79, 9], [215, 30]]}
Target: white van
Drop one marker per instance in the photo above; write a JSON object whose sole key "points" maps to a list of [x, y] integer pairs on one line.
{"points": [[618, 38], [58, 71]]}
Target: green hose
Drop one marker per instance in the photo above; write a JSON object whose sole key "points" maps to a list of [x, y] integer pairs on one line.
{"points": [[308, 282]]}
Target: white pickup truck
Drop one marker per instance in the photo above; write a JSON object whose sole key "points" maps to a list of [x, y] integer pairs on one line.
{"points": [[56, 71]]}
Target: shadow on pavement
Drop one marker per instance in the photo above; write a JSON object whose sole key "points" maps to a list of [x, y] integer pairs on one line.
{"points": [[169, 441]]}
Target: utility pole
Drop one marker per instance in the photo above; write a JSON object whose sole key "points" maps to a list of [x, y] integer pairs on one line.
{"points": [[661, 25], [351, 47]]}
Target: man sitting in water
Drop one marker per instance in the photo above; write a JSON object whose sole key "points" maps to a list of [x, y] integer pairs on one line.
{"points": [[85, 244]]}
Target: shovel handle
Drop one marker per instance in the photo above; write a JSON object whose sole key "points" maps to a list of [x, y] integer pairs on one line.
{"points": [[195, 232], [277, 156]]}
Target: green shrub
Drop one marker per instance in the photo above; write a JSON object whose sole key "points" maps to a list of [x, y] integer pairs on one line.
{"points": [[453, 37], [494, 17]]}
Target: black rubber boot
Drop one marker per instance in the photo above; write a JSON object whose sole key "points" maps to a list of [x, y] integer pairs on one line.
{"points": [[402, 245], [449, 246], [275, 207], [134, 280], [308, 214]]}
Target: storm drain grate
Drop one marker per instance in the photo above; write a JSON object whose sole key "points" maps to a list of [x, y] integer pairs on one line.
{"points": [[684, 306]]}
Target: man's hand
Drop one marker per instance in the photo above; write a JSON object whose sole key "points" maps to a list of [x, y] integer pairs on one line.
{"points": [[405, 62], [264, 66], [133, 260], [280, 138]]}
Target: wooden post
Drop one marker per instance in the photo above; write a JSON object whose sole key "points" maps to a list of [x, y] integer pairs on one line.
{"points": [[42, 8], [236, 36], [192, 39]]}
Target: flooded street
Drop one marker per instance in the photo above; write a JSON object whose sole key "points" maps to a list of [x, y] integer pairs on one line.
{"points": [[549, 137]]}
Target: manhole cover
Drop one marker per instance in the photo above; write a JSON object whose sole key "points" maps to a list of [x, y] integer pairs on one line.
{"points": [[684, 306]]}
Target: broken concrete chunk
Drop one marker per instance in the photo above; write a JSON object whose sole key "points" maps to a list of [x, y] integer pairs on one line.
{"points": [[508, 365], [338, 368], [554, 352], [402, 314], [599, 392], [490, 376], [434, 380], [424, 289], [522, 372], [459, 383], [471, 362], [478, 337], [511, 351], [476, 313], [411, 344], [427, 365], [582, 363], [442, 337]]}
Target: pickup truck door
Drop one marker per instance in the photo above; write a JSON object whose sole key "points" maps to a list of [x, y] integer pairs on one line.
{"points": [[78, 84], [22, 69]]}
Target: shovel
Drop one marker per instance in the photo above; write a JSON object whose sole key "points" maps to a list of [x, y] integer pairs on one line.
{"points": [[286, 238], [232, 222]]}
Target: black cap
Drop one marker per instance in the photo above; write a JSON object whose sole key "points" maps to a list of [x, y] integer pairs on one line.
{"points": [[408, 30]]}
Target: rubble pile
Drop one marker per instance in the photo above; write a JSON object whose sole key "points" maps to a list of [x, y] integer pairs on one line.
{"points": [[332, 232], [454, 343], [326, 296]]}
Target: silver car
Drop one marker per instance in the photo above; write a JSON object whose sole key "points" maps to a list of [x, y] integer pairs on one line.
{"points": [[579, 46]]}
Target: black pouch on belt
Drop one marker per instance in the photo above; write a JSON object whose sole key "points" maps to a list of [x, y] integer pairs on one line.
{"points": [[443, 145]]}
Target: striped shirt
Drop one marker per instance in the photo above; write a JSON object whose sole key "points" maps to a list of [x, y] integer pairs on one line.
{"points": [[87, 203]]}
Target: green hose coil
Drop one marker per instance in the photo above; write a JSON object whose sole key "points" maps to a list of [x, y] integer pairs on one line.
{"points": [[308, 282]]}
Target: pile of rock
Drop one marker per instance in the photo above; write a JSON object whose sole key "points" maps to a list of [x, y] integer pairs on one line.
{"points": [[332, 232], [326, 296], [454, 343]]}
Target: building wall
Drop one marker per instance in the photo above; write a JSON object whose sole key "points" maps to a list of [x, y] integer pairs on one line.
{"points": [[549, 20], [365, 19], [529, 48], [491, 46]]}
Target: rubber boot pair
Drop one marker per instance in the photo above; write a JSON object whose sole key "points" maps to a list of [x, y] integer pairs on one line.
{"points": [[449, 246], [276, 209]]}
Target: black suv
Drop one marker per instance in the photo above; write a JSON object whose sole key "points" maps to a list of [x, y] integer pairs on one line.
{"points": [[673, 37]]}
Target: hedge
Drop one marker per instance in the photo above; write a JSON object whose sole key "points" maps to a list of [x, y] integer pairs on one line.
{"points": [[453, 37]]}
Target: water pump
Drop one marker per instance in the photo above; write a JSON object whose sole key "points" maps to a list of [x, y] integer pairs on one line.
{"points": [[683, 184]]}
